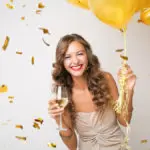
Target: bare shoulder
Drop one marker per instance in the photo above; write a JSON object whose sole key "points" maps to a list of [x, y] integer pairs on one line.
{"points": [[111, 81], [108, 76]]}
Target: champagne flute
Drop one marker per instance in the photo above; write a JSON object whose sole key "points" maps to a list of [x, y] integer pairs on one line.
{"points": [[62, 101]]}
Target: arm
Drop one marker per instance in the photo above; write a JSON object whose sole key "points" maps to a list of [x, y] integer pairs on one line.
{"points": [[115, 95], [69, 136]]}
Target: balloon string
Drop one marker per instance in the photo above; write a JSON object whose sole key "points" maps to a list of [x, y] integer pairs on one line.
{"points": [[125, 44]]}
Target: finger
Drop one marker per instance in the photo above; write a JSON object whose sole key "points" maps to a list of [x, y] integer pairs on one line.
{"points": [[53, 101], [127, 71], [129, 76], [54, 116], [53, 106], [57, 113], [122, 70]]}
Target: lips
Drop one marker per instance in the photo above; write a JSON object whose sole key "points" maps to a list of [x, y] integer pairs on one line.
{"points": [[76, 68]]}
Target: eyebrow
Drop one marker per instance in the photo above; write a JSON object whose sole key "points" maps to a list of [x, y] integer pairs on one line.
{"points": [[76, 52]]}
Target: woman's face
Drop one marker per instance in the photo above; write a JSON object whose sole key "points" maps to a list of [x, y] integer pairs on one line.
{"points": [[75, 60]]}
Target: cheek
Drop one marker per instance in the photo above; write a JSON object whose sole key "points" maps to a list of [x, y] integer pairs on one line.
{"points": [[86, 60], [66, 64]]}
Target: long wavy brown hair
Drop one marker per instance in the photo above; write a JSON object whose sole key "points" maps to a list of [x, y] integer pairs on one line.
{"points": [[96, 80]]}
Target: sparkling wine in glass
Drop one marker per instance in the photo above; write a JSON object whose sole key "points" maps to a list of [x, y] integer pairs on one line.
{"points": [[62, 100]]}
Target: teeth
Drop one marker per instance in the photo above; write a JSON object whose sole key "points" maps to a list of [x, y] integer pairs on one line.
{"points": [[76, 67]]}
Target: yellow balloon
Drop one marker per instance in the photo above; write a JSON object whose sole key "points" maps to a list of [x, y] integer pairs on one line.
{"points": [[142, 4], [145, 16], [80, 3], [116, 13]]}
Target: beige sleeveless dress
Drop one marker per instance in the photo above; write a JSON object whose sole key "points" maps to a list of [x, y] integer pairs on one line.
{"points": [[99, 131]]}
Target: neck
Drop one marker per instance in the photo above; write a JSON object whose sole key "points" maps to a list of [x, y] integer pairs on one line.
{"points": [[79, 83]]}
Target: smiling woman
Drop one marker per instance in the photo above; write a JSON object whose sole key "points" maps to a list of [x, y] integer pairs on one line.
{"points": [[90, 94]]}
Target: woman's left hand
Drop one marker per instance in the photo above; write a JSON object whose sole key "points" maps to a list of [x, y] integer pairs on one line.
{"points": [[129, 75]]}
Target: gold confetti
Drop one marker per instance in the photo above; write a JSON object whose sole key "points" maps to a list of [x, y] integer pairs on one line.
{"points": [[119, 50], [9, 6], [38, 11], [53, 145], [11, 1], [11, 99], [32, 60], [39, 120], [6, 42], [36, 125], [121, 30], [40, 5], [144, 141], [19, 126], [20, 53], [3, 88], [23, 138], [45, 42], [22, 18], [124, 57], [45, 31]]}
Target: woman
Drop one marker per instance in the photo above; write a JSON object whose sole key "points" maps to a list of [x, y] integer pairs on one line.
{"points": [[90, 91]]}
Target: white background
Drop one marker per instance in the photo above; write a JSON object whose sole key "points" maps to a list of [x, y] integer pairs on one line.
{"points": [[30, 84]]}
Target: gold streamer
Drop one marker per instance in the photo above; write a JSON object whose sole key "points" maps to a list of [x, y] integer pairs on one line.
{"points": [[122, 81], [121, 105]]}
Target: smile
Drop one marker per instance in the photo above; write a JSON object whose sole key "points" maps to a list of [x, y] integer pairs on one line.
{"points": [[77, 68]]}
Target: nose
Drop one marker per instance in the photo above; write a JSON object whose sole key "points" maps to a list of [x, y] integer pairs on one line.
{"points": [[75, 60]]}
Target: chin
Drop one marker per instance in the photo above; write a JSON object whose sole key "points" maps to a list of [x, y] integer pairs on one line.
{"points": [[78, 74]]}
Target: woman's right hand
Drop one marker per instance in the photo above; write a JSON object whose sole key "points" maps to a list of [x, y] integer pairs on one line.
{"points": [[54, 110]]}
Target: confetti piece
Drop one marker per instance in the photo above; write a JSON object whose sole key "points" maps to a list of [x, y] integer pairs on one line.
{"points": [[45, 31], [32, 60], [121, 30], [6, 42], [53, 145], [11, 99], [11, 1], [40, 120], [38, 11], [9, 6], [19, 126], [124, 57], [23, 18], [3, 88], [144, 141], [45, 42], [36, 125], [40, 5], [119, 50], [23, 138], [20, 53]]}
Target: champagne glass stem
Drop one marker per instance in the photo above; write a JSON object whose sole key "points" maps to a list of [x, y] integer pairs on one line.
{"points": [[60, 125]]}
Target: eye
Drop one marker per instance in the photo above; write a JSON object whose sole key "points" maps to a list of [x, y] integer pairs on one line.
{"points": [[80, 53], [67, 57]]}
